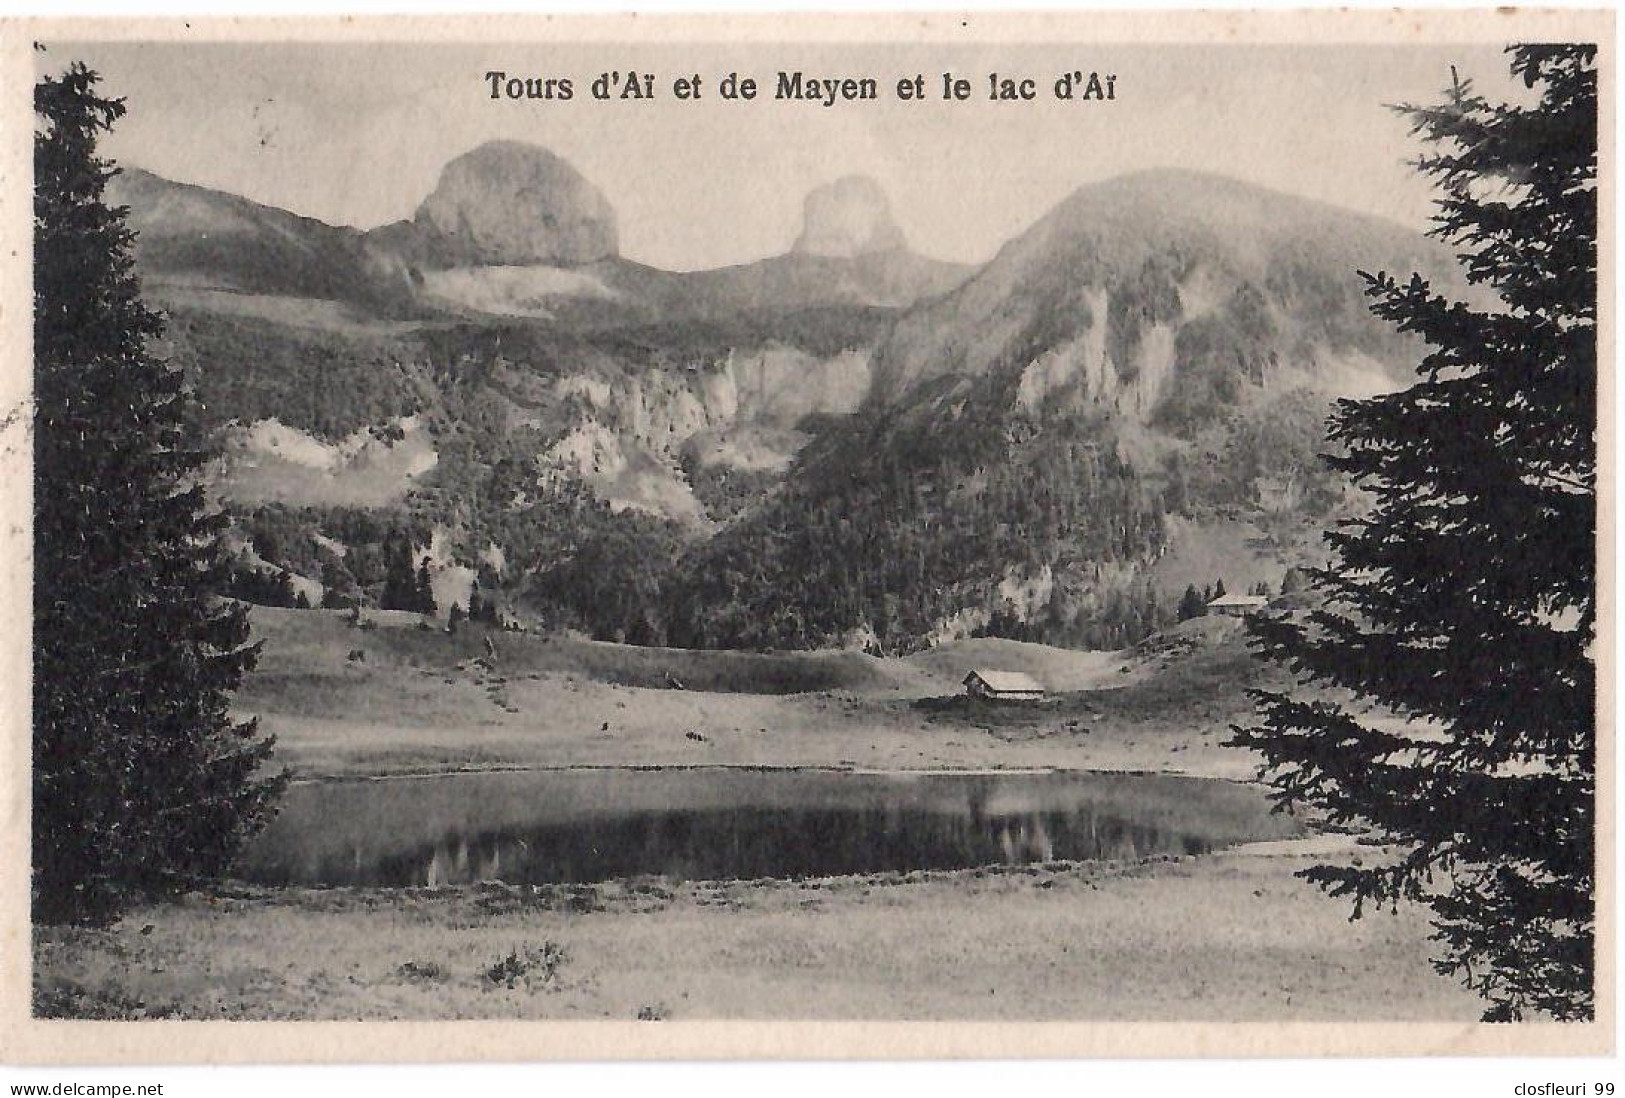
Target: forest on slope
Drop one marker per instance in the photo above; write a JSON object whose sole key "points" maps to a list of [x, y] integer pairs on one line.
{"points": [[854, 447]]}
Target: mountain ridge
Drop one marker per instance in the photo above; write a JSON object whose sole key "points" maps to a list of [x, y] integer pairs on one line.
{"points": [[1108, 279], [210, 239], [845, 444], [205, 238], [1151, 360]]}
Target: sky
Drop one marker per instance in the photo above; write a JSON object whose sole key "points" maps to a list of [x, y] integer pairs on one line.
{"points": [[357, 134]]}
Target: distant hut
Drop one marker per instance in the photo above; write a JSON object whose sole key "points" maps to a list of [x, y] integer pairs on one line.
{"points": [[1003, 685], [1237, 606]]}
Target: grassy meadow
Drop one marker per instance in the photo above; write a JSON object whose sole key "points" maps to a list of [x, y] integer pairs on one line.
{"points": [[1233, 936]]}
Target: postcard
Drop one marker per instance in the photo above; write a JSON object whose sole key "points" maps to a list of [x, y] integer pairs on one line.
{"points": [[1070, 534]]}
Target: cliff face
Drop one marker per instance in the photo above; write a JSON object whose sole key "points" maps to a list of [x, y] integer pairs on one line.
{"points": [[632, 435], [506, 203], [1166, 296], [848, 218], [311, 406]]}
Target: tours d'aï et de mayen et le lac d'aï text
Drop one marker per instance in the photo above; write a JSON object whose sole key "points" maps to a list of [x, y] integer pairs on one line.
{"points": [[1076, 85]]}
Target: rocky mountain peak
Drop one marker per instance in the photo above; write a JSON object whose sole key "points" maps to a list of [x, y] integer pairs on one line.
{"points": [[511, 203], [848, 218]]}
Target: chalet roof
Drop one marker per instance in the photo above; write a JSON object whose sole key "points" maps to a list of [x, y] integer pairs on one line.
{"points": [[1006, 682], [1240, 600]]}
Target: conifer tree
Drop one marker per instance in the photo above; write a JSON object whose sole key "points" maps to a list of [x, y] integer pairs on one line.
{"points": [[423, 600], [400, 581], [142, 782], [338, 585], [1465, 600]]}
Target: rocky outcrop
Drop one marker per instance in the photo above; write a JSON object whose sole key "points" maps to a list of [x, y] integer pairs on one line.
{"points": [[507, 203], [629, 433], [848, 218], [1167, 296]]}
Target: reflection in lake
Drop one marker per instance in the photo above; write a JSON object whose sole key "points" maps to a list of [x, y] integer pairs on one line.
{"points": [[593, 825]]}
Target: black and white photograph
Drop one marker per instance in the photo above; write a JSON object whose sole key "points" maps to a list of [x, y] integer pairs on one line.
{"points": [[932, 529]]}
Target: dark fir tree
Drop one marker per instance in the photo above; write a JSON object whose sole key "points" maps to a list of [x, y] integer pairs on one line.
{"points": [[141, 780], [423, 595], [400, 581], [1465, 600], [1191, 604], [261, 586], [339, 590]]}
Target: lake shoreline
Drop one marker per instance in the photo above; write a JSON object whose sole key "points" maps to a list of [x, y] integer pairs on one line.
{"points": [[1093, 940], [760, 768], [547, 826], [1099, 940]]}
